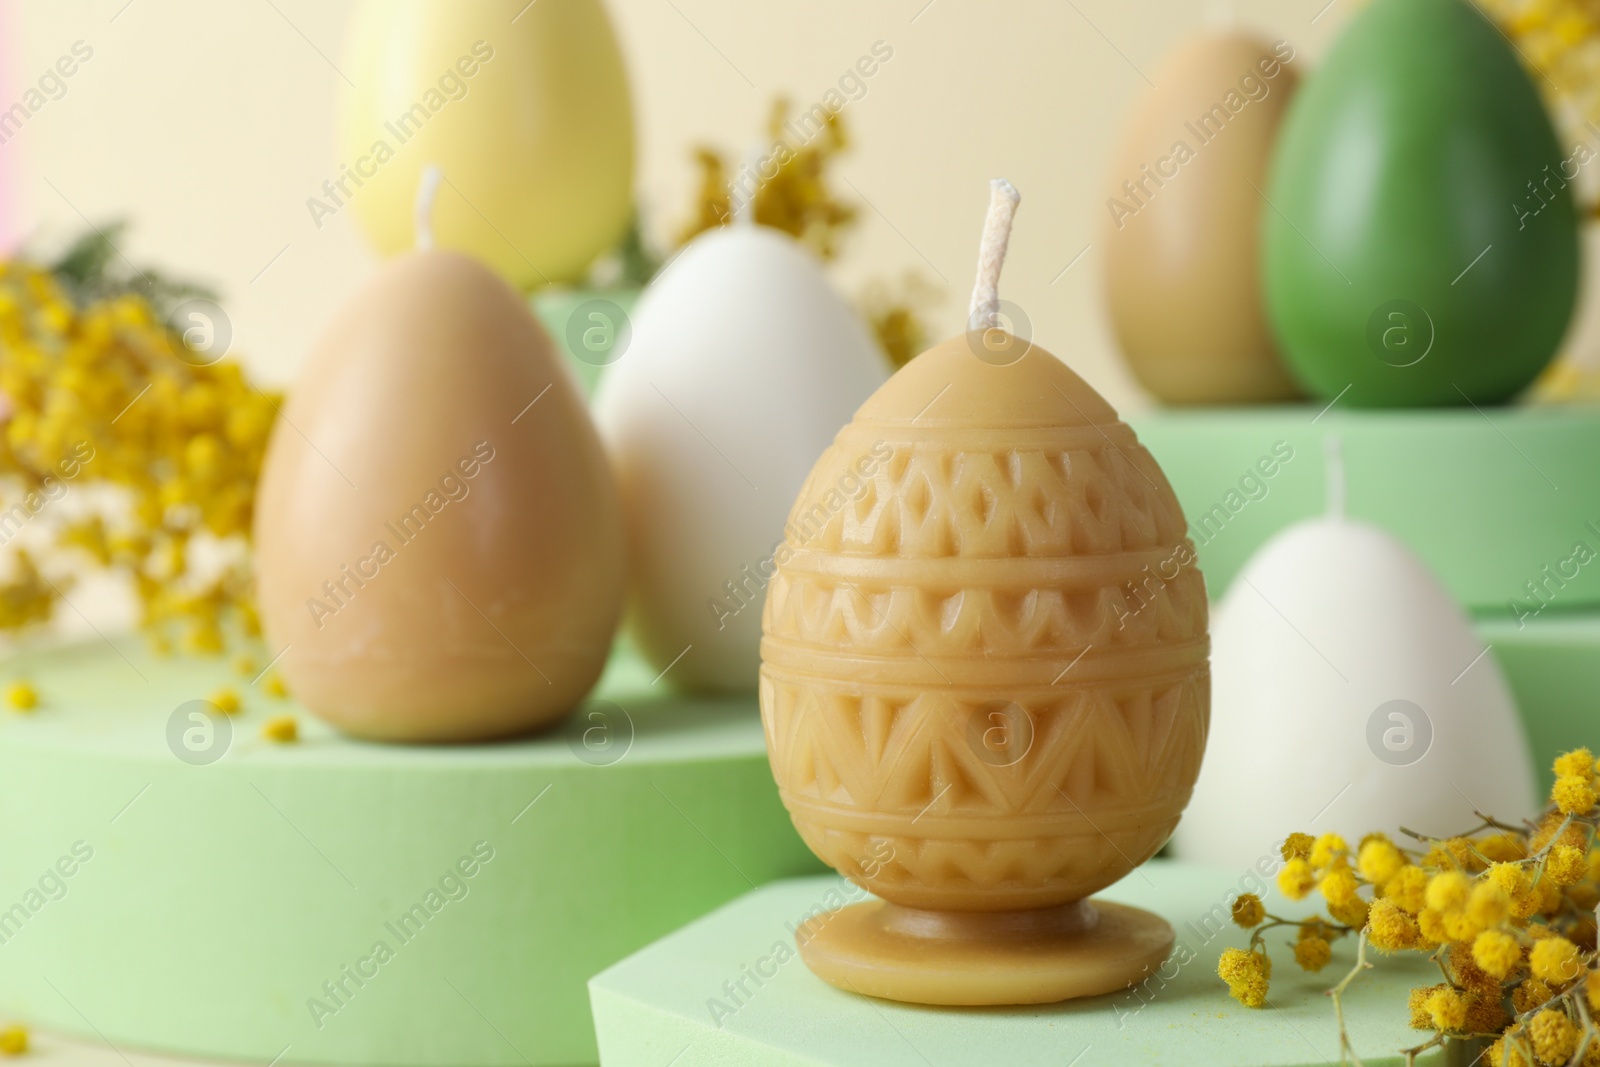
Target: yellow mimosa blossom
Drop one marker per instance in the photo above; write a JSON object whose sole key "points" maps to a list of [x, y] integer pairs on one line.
{"points": [[1430, 924], [281, 728], [1496, 952], [1554, 961], [1447, 1008], [1389, 928], [1340, 886], [1247, 975], [1529, 994], [1408, 889], [1573, 794], [1352, 913], [1248, 910], [1296, 880], [1379, 861], [1579, 762], [96, 389], [1421, 1018], [13, 1040], [1489, 904], [1566, 865], [1327, 849], [1502, 848], [1448, 891], [1518, 886], [1312, 953], [1298, 846], [1554, 1036]]}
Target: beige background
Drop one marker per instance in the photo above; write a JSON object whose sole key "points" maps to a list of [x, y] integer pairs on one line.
{"points": [[209, 122]]}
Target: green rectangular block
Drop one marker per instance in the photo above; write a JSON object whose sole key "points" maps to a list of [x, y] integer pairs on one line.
{"points": [[728, 991], [1488, 499], [1552, 663]]}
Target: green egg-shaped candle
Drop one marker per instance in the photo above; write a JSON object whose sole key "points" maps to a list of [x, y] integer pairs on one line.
{"points": [[1420, 239]]}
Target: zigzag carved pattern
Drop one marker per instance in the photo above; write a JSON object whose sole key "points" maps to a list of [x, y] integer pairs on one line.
{"points": [[814, 611], [925, 502], [917, 760]]}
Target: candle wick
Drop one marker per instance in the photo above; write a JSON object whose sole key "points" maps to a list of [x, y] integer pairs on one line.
{"points": [[984, 311], [1333, 474], [427, 191]]}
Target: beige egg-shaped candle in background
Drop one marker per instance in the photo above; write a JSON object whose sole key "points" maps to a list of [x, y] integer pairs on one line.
{"points": [[439, 542], [984, 676], [1182, 224]]}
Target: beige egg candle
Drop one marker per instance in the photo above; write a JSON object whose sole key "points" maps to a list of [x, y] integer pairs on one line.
{"points": [[1182, 224], [439, 542], [984, 678]]}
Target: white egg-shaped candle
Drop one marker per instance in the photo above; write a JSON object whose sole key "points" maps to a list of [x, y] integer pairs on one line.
{"points": [[744, 362], [1350, 694]]}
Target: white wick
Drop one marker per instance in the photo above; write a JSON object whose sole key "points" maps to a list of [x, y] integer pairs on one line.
{"points": [[427, 191], [1333, 475], [984, 312]]}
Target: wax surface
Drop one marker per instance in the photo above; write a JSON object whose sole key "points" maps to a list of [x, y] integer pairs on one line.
{"points": [[524, 106], [438, 537], [1182, 257], [1407, 254], [968, 705], [1351, 696], [744, 364]]}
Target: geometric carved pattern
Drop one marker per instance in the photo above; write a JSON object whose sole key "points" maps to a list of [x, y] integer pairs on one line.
{"points": [[987, 620], [896, 789], [925, 503], [985, 682]]}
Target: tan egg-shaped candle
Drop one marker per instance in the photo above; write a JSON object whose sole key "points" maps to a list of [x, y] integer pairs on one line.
{"points": [[439, 542], [1182, 224], [984, 679]]}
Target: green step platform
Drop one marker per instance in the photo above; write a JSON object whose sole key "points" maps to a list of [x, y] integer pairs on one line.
{"points": [[1552, 663], [591, 326], [1488, 497], [678, 1002], [232, 910]]}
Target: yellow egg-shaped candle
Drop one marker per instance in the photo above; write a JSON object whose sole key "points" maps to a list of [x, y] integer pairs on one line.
{"points": [[985, 680], [524, 106]]}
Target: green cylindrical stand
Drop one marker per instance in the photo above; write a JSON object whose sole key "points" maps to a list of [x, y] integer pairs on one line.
{"points": [[340, 902]]}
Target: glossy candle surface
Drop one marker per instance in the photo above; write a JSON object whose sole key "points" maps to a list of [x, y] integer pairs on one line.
{"points": [[1337, 640], [439, 543], [745, 362], [1421, 243], [1182, 225], [524, 106]]}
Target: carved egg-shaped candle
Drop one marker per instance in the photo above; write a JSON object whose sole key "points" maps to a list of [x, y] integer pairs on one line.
{"points": [[985, 678]]}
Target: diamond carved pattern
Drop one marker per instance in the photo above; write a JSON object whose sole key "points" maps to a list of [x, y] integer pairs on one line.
{"points": [[985, 682]]}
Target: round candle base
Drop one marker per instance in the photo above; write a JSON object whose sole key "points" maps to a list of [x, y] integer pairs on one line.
{"points": [[975, 959]]}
